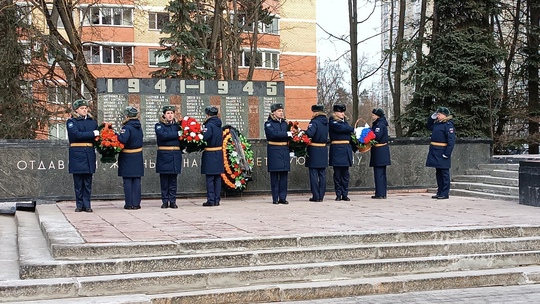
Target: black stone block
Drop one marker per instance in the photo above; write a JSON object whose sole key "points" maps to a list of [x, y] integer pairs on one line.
{"points": [[529, 183]]}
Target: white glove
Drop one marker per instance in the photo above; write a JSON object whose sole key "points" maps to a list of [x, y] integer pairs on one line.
{"points": [[96, 133], [180, 133], [444, 156], [289, 133], [434, 115]]}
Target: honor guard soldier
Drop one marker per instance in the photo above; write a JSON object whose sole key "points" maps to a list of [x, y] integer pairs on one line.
{"points": [[340, 151], [212, 157], [317, 153], [169, 156], [443, 137], [82, 130], [130, 160], [277, 151], [380, 153]]}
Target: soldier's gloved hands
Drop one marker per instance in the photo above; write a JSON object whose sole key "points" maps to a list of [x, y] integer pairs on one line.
{"points": [[180, 133], [289, 133], [444, 156], [434, 115], [96, 133]]}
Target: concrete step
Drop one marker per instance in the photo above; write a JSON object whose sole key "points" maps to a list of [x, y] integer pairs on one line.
{"points": [[478, 194], [202, 281], [505, 173], [338, 289], [486, 188], [341, 290], [39, 269], [495, 173], [9, 258], [478, 172], [509, 167], [487, 179], [64, 243]]}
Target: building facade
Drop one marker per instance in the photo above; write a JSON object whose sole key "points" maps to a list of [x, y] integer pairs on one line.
{"points": [[120, 39]]}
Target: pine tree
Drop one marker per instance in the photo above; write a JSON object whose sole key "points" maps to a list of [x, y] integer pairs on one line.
{"points": [[186, 47], [459, 71], [20, 114]]}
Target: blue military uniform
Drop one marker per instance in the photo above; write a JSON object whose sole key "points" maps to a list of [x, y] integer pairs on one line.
{"points": [[212, 157], [82, 158], [130, 160], [380, 154], [340, 153], [317, 154], [443, 135], [168, 160], [277, 151]]}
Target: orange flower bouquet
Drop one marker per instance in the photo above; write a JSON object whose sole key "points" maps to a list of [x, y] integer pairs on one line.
{"points": [[299, 141], [192, 137], [107, 143]]}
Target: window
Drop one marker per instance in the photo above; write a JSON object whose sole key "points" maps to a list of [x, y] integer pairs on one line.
{"points": [[108, 16], [57, 131], [58, 95], [108, 54], [53, 11], [154, 59], [53, 55], [157, 20], [24, 13], [263, 59], [272, 28]]}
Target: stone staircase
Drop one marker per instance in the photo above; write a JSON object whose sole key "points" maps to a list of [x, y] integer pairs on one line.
{"points": [[492, 181], [60, 268]]}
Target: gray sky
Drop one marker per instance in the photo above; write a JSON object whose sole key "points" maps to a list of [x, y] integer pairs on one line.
{"points": [[332, 15]]}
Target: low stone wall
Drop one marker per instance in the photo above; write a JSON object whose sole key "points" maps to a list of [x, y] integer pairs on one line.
{"points": [[38, 170]]}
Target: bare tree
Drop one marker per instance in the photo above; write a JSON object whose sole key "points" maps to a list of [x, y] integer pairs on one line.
{"points": [[532, 63], [330, 88]]}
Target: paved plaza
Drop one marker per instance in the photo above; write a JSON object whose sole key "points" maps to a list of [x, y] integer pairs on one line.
{"points": [[253, 216]]}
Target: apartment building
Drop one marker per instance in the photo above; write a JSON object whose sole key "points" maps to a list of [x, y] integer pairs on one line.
{"points": [[120, 39]]}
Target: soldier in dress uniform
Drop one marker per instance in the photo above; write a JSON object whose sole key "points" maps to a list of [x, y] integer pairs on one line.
{"points": [[169, 156], [130, 160], [380, 153], [443, 137], [317, 153], [82, 130], [340, 151], [277, 150], [212, 156]]}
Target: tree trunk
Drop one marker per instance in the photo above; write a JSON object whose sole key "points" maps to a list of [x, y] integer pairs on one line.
{"points": [[533, 39], [353, 19], [399, 68]]}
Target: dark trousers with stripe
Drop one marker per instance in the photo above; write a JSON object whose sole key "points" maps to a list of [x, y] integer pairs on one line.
{"points": [[317, 182], [443, 181], [82, 183], [132, 191], [168, 184], [213, 188], [341, 181], [381, 185], [278, 185]]}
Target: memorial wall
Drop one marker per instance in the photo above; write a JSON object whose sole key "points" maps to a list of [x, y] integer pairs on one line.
{"points": [[38, 170], [242, 104]]}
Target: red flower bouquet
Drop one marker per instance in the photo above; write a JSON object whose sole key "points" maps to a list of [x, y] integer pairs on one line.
{"points": [[299, 141], [192, 137], [107, 143], [237, 159]]}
